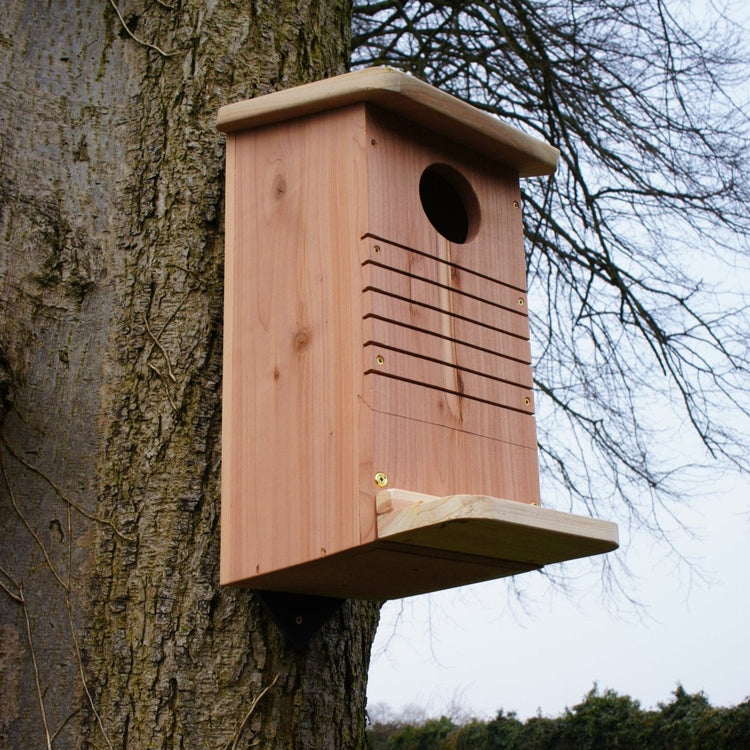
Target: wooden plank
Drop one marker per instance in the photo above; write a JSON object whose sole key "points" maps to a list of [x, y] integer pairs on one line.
{"points": [[446, 377], [409, 98], [449, 409], [444, 542], [293, 364], [433, 294], [384, 570], [402, 338], [431, 321], [414, 263], [397, 156], [438, 459], [494, 527], [233, 510]]}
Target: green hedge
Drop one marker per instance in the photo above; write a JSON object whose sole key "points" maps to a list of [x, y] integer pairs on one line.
{"points": [[602, 721]]}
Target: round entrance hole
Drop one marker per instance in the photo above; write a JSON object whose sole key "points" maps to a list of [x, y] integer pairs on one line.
{"points": [[449, 203]]}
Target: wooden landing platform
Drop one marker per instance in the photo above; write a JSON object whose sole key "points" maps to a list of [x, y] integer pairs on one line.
{"points": [[427, 543]]}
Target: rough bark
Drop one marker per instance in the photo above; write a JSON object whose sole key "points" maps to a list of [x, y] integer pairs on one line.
{"points": [[114, 631]]}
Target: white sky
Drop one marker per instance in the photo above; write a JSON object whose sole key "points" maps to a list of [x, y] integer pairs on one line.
{"points": [[478, 649], [474, 647]]}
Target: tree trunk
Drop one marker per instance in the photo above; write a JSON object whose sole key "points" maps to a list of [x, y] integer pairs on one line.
{"points": [[114, 631]]}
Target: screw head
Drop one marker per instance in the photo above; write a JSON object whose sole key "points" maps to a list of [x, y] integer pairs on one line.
{"points": [[380, 360], [381, 479]]}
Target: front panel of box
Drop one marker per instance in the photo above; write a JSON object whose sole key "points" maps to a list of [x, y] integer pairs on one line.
{"points": [[447, 363]]}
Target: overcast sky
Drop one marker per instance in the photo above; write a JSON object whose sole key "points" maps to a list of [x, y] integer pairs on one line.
{"points": [[478, 648], [473, 647]]}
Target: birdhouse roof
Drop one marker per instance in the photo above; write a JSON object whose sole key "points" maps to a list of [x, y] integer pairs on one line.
{"points": [[408, 97]]}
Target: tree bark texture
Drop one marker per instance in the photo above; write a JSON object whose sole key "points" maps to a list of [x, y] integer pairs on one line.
{"points": [[114, 632]]}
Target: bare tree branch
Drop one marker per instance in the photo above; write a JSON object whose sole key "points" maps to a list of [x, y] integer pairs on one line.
{"points": [[634, 324]]}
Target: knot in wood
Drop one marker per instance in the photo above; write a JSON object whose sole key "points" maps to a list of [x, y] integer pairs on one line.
{"points": [[301, 339], [279, 186]]}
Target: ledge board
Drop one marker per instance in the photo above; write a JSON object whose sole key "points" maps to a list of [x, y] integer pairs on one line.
{"points": [[491, 527], [428, 544]]}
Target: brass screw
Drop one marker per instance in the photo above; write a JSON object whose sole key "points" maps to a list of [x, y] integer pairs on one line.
{"points": [[376, 249], [521, 303], [515, 204], [381, 479], [527, 401], [380, 361]]}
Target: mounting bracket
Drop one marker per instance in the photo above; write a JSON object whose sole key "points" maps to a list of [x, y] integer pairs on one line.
{"points": [[298, 616]]}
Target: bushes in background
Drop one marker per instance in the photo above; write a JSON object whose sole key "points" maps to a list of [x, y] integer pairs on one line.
{"points": [[602, 721]]}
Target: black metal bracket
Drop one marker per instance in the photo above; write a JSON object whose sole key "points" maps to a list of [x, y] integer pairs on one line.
{"points": [[298, 616]]}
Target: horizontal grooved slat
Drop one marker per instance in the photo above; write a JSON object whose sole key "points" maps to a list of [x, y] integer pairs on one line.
{"points": [[430, 346], [447, 377], [429, 320], [382, 241]]}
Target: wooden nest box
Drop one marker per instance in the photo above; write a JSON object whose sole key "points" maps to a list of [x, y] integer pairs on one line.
{"points": [[378, 426]]}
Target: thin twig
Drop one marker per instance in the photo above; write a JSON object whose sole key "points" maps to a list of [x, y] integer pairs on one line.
{"points": [[163, 350], [64, 497], [79, 658], [15, 597], [256, 700], [166, 385], [135, 38], [28, 525], [64, 724], [47, 735], [69, 519], [10, 593], [19, 597]]}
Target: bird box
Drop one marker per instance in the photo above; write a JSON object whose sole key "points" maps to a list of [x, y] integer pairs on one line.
{"points": [[378, 412]]}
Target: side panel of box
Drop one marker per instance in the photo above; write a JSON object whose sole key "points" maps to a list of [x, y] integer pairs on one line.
{"points": [[295, 195]]}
